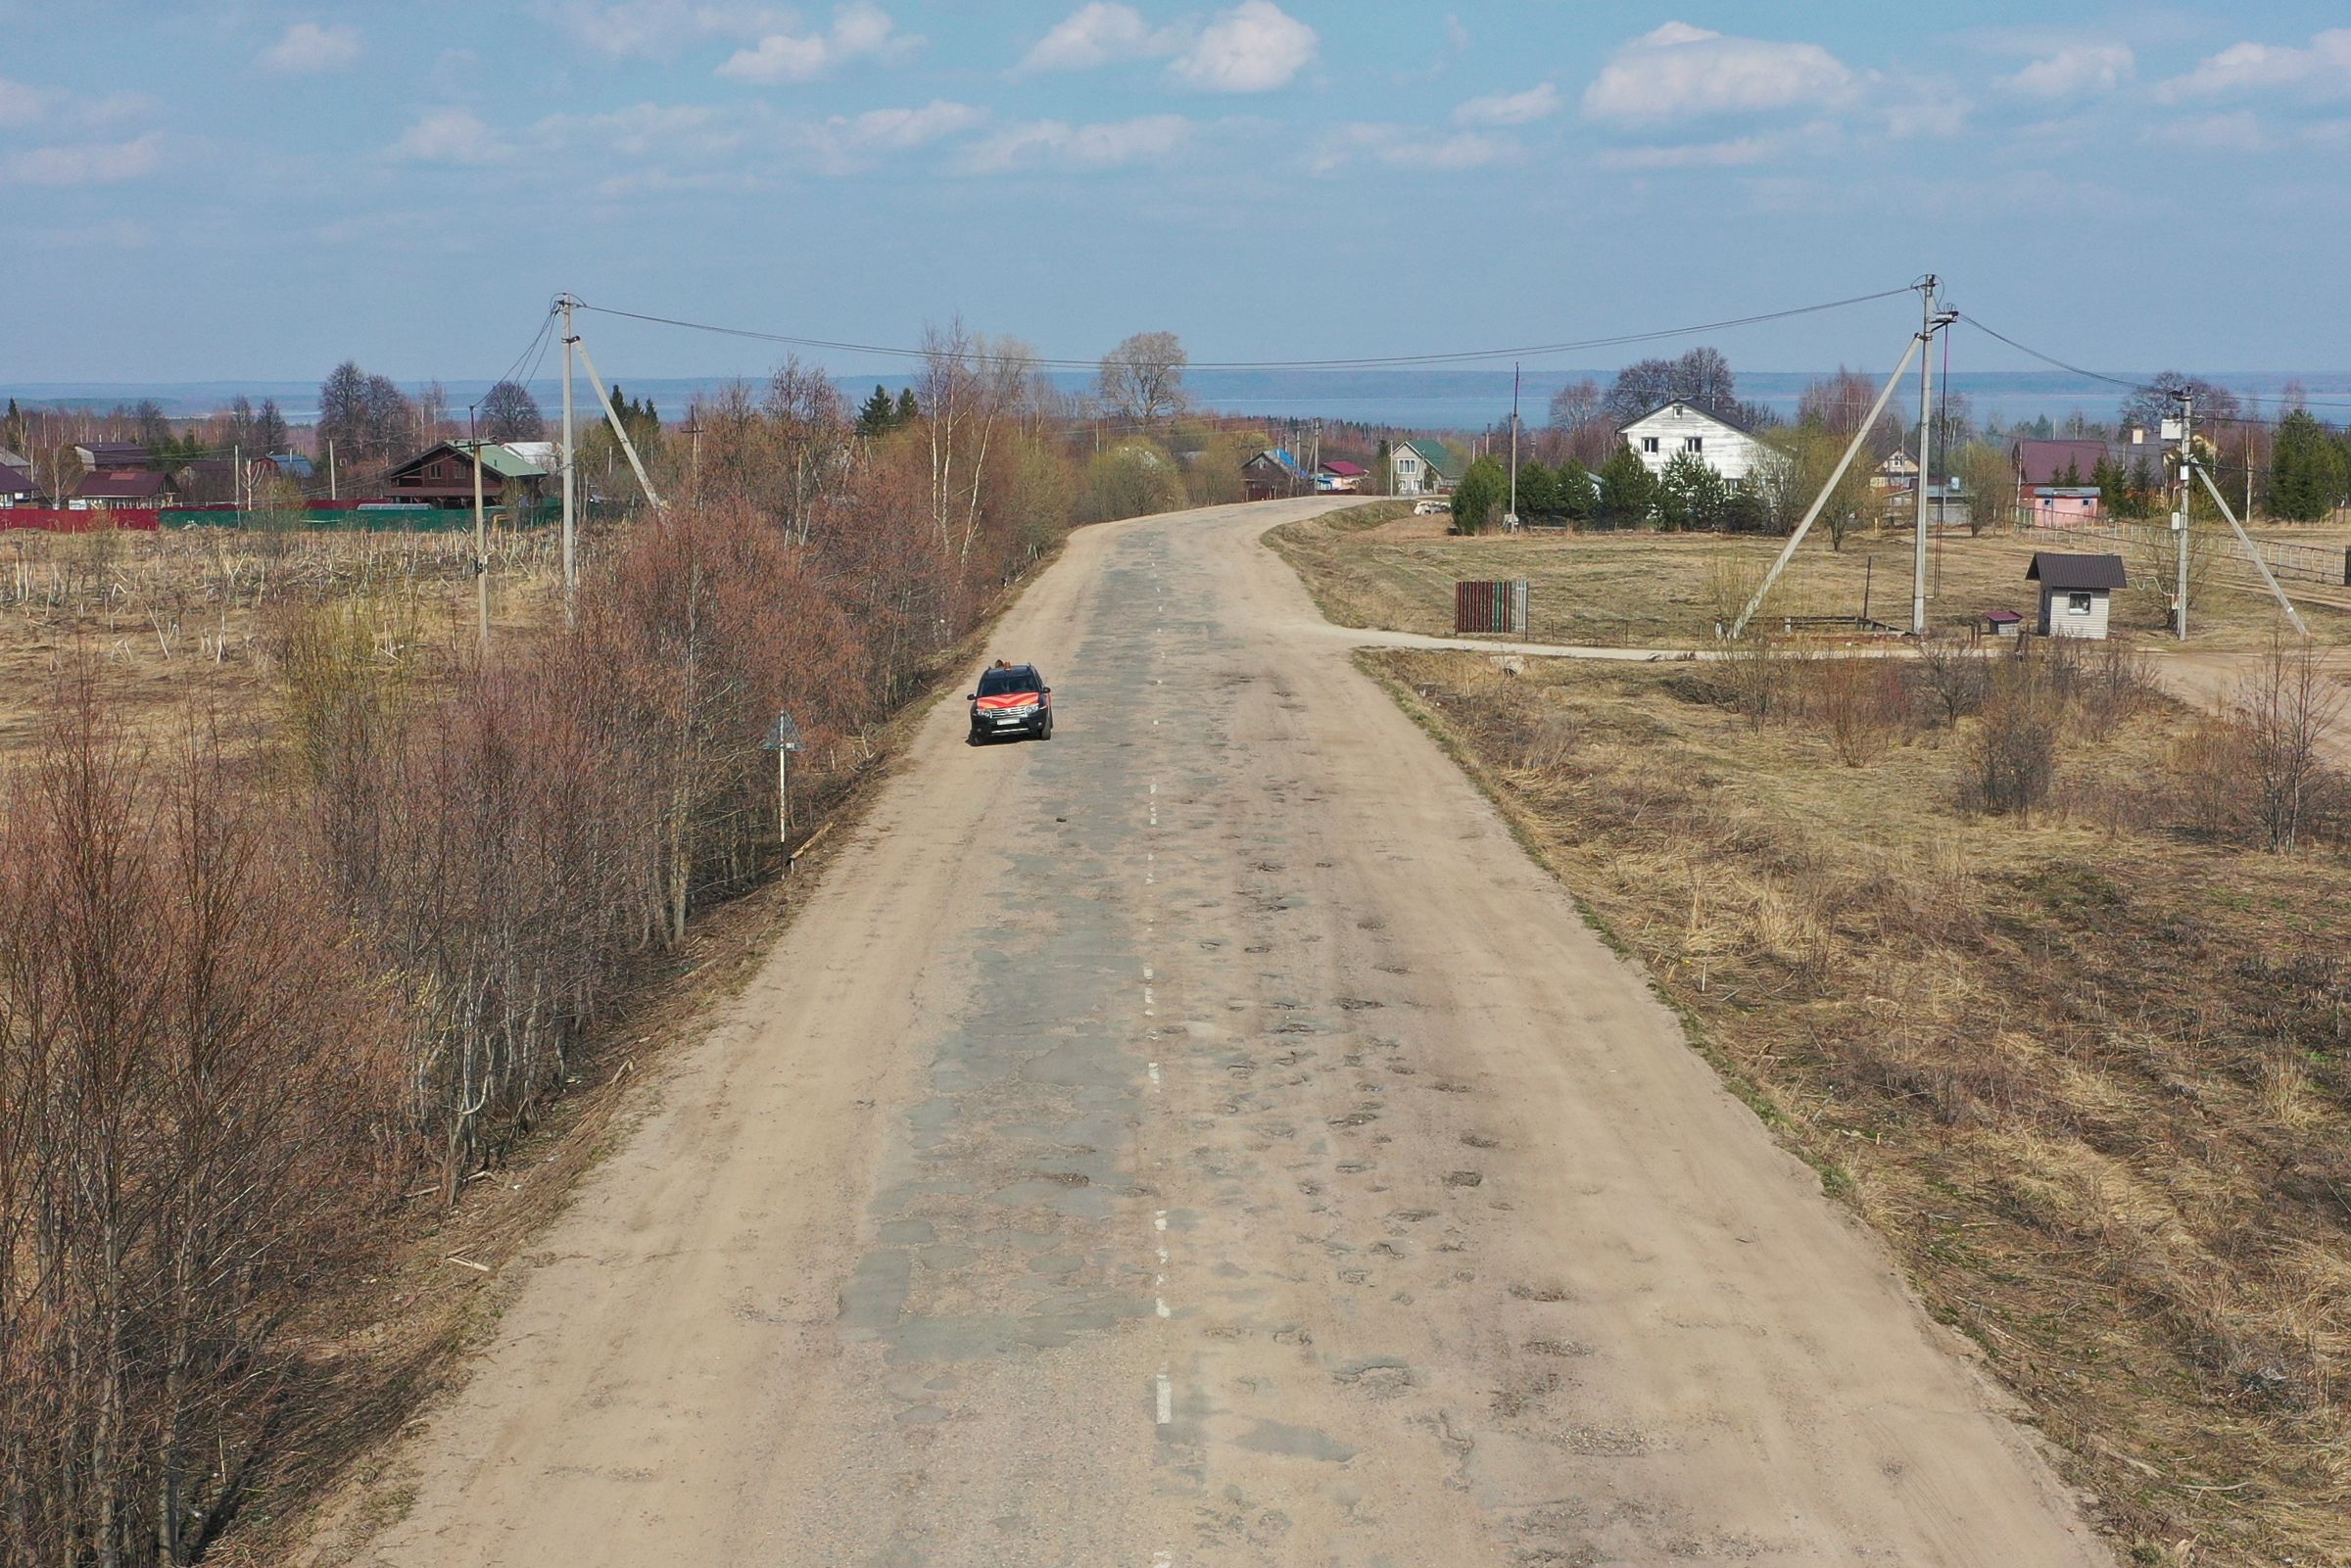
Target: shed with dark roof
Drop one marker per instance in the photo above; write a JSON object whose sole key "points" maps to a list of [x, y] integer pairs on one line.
{"points": [[2076, 592]]}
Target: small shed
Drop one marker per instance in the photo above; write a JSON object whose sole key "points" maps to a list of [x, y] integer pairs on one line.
{"points": [[2003, 623], [2075, 592]]}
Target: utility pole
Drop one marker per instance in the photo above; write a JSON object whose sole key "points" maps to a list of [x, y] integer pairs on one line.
{"points": [[481, 537], [333, 492], [1805, 526], [2187, 424], [571, 575], [1926, 446], [1510, 522]]}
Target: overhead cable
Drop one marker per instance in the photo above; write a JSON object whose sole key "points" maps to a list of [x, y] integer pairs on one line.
{"points": [[1363, 363]]}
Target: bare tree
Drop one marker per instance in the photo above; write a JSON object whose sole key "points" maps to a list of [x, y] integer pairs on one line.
{"points": [[1142, 379], [1839, 403], [508, 413], [2291, 705], [1574, 406]]}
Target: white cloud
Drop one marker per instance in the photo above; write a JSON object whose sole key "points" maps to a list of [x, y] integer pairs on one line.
{"points": [[1057, 143], [1924, 110], [2322, 66], [1737, 153], [21, 104], [859, 31], [84, 163], [1410, 147], [1510, 108], [896, 130], [630, 29], [451, 136], [2075, 70], [1678, 72], [309, 48], [1095, 35], [1254, 47]]}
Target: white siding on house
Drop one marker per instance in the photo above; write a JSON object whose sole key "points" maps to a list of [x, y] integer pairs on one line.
{"points": [[1658, 438], [1415, 474], [2060, 615]]}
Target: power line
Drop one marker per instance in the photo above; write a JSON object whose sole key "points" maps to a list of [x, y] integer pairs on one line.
{"points": [[2123, 381], [1364, 363]]}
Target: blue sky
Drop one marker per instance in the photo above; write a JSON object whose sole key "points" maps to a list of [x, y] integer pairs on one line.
{"points": [[256, 190]]}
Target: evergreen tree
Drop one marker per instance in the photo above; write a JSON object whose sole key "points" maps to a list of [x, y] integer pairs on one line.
{"points": [[908, 409], [1479, 500], [2308, 470], [2113, 488], [1627, 488], [1538, 491], [2138, 494], [1690, 493], [1747, 509], [877, 416], [1579, 497]]}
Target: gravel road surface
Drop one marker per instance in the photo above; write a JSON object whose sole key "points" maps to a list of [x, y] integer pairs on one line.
{"points": [[1206, 1138]]}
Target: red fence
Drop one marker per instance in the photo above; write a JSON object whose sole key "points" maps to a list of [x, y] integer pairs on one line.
{"points": [[50, 520], [1490, 606]]}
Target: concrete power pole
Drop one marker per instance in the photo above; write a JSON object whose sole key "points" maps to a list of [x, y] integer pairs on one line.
{"points": [[2187, 423], [571, 575], [1512, 521], [1926, 446], [481, 537]]}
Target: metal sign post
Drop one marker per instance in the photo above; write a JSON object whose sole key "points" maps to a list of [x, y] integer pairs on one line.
{"points": [[784, 740]]}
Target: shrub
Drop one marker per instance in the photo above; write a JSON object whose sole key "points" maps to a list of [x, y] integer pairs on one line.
{"points": [[1861, 703], [2012, 755]]}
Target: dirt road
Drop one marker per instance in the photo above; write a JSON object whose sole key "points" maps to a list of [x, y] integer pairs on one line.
{"points": [[1205, 1138]]}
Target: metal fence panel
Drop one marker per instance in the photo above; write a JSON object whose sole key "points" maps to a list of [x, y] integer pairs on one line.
{"points": [[1493, 605]]}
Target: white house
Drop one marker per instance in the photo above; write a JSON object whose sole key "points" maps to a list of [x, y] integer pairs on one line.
{"points": [[1667, 431], [2075, 590], [1423, 467]]}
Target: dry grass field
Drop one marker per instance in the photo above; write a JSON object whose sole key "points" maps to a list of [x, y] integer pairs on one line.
{"points": [[1644, 589], [2082, 1065], [189, 615]]}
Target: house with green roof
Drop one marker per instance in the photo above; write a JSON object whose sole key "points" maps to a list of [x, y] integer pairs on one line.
{"points": [[1421, 466], [442, 475]]}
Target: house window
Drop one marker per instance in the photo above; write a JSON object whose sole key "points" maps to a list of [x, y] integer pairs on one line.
{"points": [[1648, 443], [1694, 443], [2076, 604]]}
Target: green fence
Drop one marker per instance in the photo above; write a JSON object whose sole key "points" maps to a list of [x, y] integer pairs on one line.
{"points": [[368, 519]]}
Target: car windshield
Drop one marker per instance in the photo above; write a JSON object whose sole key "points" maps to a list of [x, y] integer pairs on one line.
{"points": [[995, 683]]}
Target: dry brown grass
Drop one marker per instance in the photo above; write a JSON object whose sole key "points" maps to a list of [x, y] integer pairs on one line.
{"points": [[187, 613], [2086, 1072], [1672, 589]]}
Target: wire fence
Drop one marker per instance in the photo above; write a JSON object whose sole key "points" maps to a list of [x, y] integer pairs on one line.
{"points": [[2287, 561]]}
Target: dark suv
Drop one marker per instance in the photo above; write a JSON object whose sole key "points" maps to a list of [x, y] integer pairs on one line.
{"points": [[1011, 700]]}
